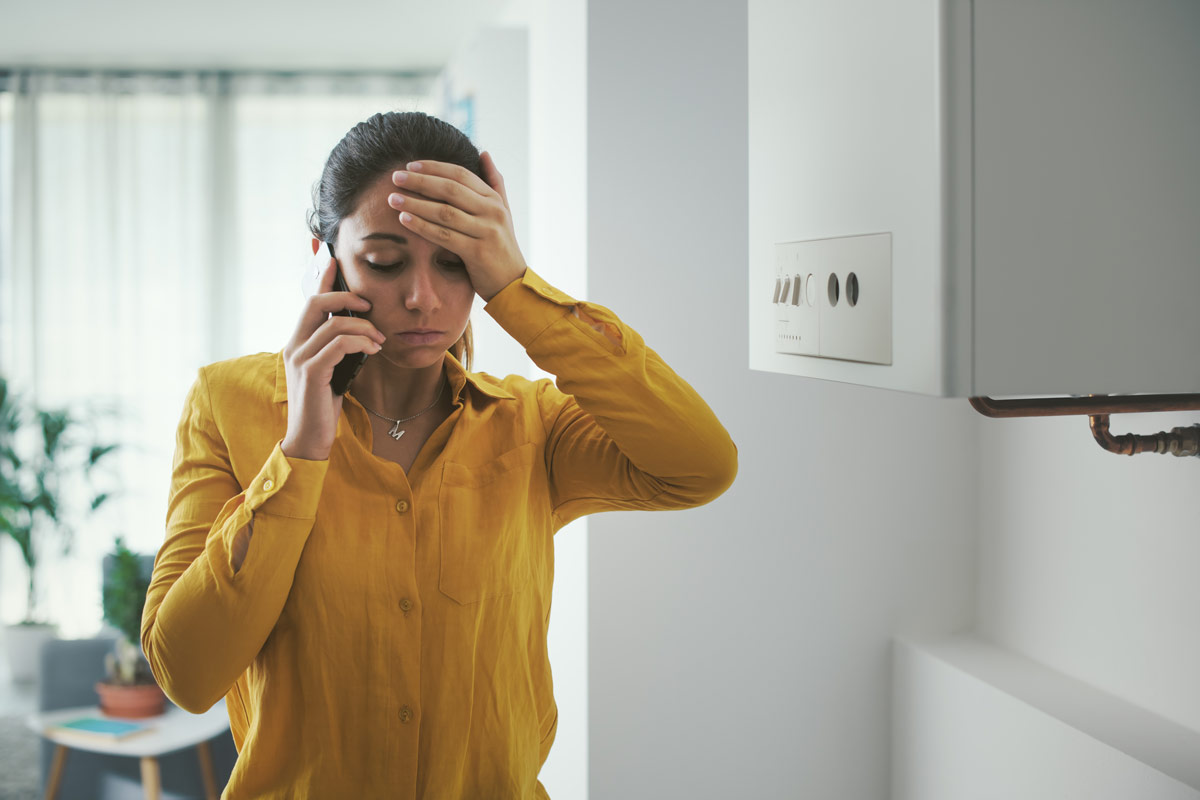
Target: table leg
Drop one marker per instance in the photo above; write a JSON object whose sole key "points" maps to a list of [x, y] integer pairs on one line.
{"points": [[56, 771], [151, 778], [206, 771]]}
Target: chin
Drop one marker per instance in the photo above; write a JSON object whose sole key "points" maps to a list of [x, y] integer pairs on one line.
{"points": [[415, 357]]}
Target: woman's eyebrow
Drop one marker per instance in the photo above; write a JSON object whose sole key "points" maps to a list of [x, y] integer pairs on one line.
{"points": [[393, 237]]}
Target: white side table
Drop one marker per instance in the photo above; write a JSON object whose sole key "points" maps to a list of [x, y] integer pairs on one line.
{"points": [[174, 730]]}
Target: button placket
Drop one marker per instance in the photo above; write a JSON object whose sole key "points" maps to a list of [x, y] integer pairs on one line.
{"points": [[406, 605]]}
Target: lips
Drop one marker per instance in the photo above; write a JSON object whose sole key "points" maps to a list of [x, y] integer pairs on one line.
{"points": [[419, 336]]}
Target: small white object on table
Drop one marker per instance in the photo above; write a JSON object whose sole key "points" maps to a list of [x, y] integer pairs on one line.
{"points": [[173, 730]]}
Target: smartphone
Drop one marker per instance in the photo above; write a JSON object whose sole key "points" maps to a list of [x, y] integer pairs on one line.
{"points": [[344, 372]]}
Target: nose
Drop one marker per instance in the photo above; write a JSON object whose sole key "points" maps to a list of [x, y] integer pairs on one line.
{"points": [[420, 289]]}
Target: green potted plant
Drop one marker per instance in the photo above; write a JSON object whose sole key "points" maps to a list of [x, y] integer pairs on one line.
{"points": [[130, 689], [46, 489]]}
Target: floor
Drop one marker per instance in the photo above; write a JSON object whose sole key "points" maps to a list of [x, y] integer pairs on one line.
{"points": [[18, 745]]}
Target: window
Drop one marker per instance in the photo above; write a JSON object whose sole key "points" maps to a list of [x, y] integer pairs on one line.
{"points": [[150, 224]]}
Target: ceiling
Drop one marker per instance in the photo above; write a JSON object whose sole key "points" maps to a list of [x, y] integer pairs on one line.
{"points": [[390, 35]]}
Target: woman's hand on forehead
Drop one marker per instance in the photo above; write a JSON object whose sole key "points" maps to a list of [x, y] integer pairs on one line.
{"points": [[469, 216]]}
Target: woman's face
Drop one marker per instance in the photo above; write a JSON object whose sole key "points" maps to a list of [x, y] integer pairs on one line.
{"points": [[420, 293]]}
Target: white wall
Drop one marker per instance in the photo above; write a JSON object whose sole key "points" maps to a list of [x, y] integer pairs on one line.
{"points": [[1088, 560], [743, 649]]}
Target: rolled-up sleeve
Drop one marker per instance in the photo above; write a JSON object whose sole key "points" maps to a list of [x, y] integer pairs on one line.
{"points": [[203, 623], [623, 429]]}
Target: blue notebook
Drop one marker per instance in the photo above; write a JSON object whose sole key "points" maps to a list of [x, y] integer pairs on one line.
{"points": [[100, 728]]}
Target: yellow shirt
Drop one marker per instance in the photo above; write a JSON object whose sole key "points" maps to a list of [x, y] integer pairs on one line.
{"points": [[385, 636]]}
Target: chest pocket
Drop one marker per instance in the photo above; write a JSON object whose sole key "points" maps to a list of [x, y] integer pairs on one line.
{"points": [[485, 547]]}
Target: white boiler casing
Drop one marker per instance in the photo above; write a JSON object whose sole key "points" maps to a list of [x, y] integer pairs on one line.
{"points": [[1032, 165]]}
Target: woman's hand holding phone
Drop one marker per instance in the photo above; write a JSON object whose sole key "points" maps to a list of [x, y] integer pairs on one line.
{"points": [[318, 345]]}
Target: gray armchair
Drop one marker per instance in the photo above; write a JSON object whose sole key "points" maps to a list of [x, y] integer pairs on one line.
{"points": [[69, 671]]}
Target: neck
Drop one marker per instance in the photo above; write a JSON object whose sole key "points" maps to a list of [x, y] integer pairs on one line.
{"points": [[396, 391]]}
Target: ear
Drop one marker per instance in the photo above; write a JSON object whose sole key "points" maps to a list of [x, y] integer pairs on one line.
{"points": [[316, 245]]}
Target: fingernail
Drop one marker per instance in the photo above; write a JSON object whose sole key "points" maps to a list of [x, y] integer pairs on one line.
{"points": [[396, 199], [406, 217], [400, 177], [415, 166]]}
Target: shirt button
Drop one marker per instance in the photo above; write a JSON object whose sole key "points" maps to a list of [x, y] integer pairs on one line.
{"points": [[402, 506], [268, 485], [406, 714], [406, 605]]}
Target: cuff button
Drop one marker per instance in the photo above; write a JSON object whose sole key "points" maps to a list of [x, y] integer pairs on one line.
{"points": [[268, 485]]}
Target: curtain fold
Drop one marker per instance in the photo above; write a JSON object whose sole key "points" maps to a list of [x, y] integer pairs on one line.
{"points": [[151, 223]]}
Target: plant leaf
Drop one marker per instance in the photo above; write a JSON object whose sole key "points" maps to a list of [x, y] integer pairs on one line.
{"points": [[98, 452], [54, 424], [46, 501]]}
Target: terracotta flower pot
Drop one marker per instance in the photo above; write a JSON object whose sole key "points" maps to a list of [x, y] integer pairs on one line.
{"points": [[144, 700]]}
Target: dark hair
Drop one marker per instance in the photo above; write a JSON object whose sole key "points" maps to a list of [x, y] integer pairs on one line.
{"points": [[381, 144]]}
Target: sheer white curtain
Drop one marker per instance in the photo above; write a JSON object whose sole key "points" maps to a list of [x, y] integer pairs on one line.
{"points": [[150, 224]]}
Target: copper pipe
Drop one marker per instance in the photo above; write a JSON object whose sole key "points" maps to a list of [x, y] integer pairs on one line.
{"points": [[1178, 442], [1092, 404]]}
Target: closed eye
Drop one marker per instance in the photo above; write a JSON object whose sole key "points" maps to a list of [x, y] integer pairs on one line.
{"points": [[448, 264], [383, 267]]}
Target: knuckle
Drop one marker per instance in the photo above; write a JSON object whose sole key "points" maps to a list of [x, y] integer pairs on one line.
{"points": [[443, 234], [445, 214]]}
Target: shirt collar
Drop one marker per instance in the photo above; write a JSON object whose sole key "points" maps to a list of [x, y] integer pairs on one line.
{"points": [[458, 376]]}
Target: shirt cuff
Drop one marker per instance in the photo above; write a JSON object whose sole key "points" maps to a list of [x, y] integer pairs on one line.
{"points": [[287, 487], [527, 306]]}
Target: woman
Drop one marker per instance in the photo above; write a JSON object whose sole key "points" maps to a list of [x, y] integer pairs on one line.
{"points": [[366, 578]]}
